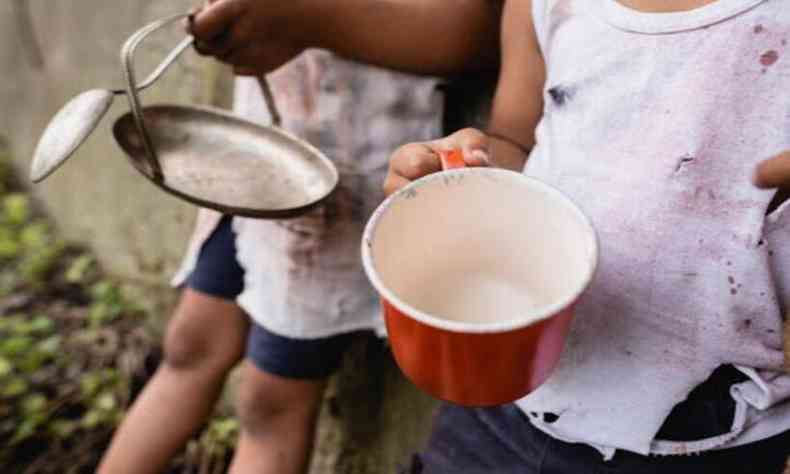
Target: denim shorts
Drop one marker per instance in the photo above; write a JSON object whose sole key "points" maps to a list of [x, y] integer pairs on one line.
{"points": [[503, 441], [218, 273]]}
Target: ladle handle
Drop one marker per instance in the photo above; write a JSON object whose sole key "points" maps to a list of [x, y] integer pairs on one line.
{"points": [[127, 61], [266, 89], [268, 97]]}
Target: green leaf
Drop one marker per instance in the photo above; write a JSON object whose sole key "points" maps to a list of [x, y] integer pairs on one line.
{"points": [[41, 324], [33, 404], [105, 402], [79, 268], [9, 246], [227, 428], [50, 345], [32, 361], [92, 419], [90, 384], [35, 236], [5, 367], [98, 314], [39, 262], [13, 388], [102, 313], [62, 428], [111, 377], [15, 345], [24, 431], [105, 291], [16, 325], [16, 208]]}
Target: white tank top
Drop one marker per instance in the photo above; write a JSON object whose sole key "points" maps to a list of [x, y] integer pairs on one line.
{"points": [[653, 124], [303, 276]]}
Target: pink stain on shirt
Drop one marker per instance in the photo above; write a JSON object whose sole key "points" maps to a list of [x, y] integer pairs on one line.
{"points": [[769, 58]]}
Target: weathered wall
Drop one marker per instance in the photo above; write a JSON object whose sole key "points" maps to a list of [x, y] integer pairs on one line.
{"points": [[97, 197], [372, 418]]}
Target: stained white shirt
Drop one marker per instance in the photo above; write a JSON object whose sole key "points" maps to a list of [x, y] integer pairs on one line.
{"points": [[303, 277], [653, 124]]}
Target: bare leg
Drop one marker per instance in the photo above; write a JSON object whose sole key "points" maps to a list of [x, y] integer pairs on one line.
{"points": [[278, 417], [204, 340]]}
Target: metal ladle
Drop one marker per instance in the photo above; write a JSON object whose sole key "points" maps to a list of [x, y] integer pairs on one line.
{"points": [[76, 120], [203, 155]]}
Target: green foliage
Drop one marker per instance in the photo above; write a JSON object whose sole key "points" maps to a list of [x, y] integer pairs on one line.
{"points": [[62, 389], [27, 344], [5, 367], [80, 269], [13, 387], [223, 431], [41, 252], [108, 303], [9, 246], [62, 428], [38, 398], [104, 411], [220, 436], [30, 353], [93, 383], [16, 209], [28, 245]]}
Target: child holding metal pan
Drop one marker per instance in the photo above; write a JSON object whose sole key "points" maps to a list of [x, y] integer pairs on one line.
{"points": [[291, 291]]}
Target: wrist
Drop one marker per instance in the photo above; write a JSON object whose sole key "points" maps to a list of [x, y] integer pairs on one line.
{"points": [[507, 152], [524, 149]]}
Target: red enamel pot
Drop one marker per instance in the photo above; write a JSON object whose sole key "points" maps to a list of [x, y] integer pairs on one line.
{"points": [[478, 270]]}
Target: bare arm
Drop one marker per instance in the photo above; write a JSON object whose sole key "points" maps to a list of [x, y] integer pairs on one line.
{"points": [[518, 106], [420, 36], [518, 103]]}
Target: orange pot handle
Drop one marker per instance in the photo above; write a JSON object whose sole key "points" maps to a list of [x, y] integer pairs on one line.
{"points": [[452, 159]]}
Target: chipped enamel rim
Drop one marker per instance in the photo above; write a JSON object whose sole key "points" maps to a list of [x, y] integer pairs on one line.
{"points": [[530, 317]]}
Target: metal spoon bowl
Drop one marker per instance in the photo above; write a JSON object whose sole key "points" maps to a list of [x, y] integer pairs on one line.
{"points": [[214, 159], [76, 120]]}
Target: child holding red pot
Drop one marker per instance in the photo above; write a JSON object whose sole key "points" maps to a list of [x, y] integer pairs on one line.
{"points": [[599, 43], [652, 116]]}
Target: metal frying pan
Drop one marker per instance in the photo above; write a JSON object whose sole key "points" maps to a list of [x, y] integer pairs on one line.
{"points": [[214, 159]]}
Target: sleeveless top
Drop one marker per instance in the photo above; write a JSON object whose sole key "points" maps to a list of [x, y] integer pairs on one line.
{"points": [[303, 276], [653, 124]]}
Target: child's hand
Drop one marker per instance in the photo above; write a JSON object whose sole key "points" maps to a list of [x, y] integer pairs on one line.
{"points": [[416, 160], [774, 172], [253, 36]]}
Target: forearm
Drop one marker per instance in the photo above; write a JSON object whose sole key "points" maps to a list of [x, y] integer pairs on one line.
{"points": [[518, 103], [438, 37]]}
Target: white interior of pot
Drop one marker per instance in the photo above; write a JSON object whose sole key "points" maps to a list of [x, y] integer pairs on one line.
{"points": [[480, 247], [221, 159]]}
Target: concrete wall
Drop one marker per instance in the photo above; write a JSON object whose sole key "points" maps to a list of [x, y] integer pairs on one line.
{"points": [[372, 418], [97, 197]]}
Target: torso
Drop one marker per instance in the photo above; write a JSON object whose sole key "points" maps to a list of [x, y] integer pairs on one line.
{"points": [[653, 124]]}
